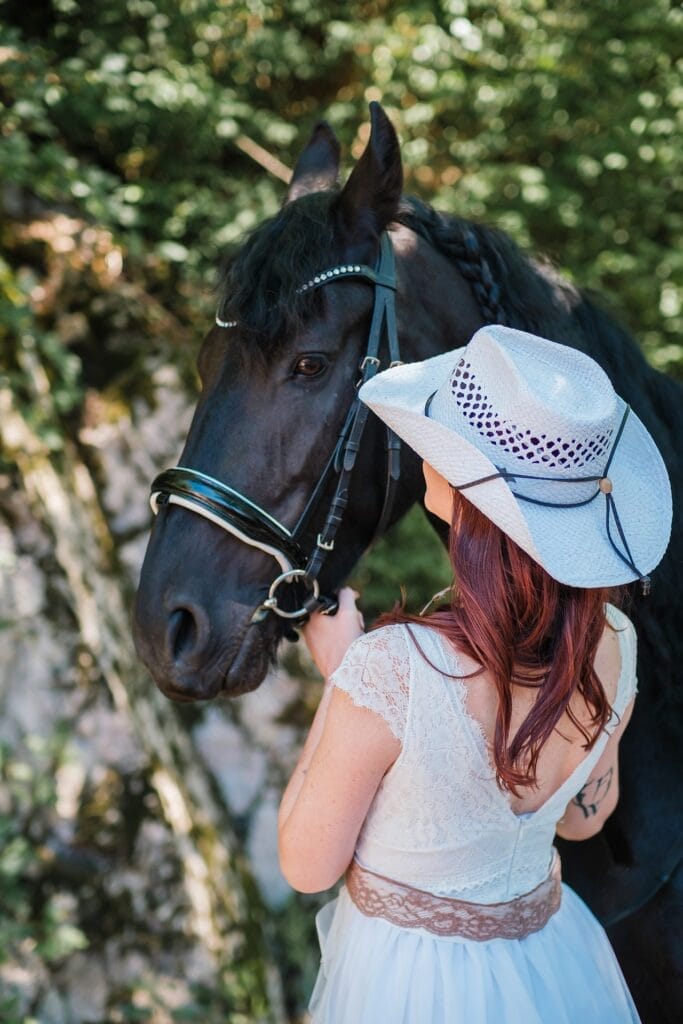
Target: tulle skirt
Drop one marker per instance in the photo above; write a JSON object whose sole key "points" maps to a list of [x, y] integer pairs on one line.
{"points": [[375, 972]]}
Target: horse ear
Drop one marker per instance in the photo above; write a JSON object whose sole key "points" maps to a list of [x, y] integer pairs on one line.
{"points": [[370, 198], [317, 168]]}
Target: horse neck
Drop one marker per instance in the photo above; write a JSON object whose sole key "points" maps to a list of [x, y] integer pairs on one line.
{"points": [[435, 308]]}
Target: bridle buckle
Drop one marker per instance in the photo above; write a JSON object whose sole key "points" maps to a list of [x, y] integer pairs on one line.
{"points": [[367, 360], [270, 603]]}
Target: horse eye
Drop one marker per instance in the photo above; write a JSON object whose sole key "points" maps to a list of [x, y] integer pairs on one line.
{"points": [[309, 366]]}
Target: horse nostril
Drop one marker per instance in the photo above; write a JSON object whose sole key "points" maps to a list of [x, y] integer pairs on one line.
{"points": [[187, 632]]}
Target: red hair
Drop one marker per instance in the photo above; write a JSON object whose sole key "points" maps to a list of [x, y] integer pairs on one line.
{"points": [[515, 620]]}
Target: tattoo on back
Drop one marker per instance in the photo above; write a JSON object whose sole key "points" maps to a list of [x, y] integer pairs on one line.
{"points": [[593, 793]]}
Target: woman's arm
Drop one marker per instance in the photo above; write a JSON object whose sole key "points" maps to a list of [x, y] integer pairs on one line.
{"points": [[330, 793], [588, 811], [347, 751], [303, 764], [328, 637]]}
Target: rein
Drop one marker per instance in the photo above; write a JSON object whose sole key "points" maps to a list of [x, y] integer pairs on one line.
{"points": [[232, 511]]}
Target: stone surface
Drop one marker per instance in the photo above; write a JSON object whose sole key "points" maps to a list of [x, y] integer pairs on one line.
{"points": [[85, 989], [132, 448], [114, 869], [262, 711], [35, 660], [238, 766], [105, 736], [263, 852], [52, 1009]]}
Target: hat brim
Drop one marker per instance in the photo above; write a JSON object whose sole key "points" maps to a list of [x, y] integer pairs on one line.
{"points": [[572, 544]]}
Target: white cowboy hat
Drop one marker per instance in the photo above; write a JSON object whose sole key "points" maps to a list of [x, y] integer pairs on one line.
{"points": [[535, 436]]}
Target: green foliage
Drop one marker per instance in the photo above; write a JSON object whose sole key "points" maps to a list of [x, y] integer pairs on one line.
{"points": [[296, 947], [409, 558], [558, 122], [41, 907], [31, 917], [126, 177]]}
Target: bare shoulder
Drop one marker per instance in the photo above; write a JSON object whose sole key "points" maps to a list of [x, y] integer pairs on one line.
{"points": [[617, 644], [622, 627]]}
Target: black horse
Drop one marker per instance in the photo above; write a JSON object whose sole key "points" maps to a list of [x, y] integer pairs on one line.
{"points": [[278, 381]]}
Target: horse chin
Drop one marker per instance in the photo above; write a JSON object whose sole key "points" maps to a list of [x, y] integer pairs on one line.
{"points": [[249, 666], [229, 672]]}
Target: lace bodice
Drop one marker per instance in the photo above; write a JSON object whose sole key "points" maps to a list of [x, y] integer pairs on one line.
{"points": [[438, 821]]}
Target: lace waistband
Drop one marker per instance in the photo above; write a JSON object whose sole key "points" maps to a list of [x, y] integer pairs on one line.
{"points": [[378, 896]]}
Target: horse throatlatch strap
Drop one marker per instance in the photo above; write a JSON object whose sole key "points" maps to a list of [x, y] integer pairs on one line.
{"points": [[246, 520]]}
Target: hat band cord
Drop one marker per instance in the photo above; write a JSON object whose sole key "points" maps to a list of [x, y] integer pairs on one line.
{"points": [[610, 505]]}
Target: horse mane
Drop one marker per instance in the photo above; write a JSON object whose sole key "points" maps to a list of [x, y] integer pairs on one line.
{"points": [[259, 286], [530, 294], [510, 286]]}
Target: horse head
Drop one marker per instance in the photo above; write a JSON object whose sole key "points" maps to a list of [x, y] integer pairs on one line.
{"points": [[274, 425]]}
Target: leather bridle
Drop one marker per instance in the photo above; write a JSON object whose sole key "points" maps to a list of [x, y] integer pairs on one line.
{"points": [[232, 511]]}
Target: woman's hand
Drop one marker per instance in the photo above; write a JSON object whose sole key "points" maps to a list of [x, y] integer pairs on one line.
{"points": [[329, 636]]}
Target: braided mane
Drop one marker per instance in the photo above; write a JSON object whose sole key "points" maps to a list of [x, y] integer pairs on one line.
{"points": [[510, 286]]}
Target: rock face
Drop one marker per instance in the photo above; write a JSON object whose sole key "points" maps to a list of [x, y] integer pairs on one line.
{"points": [[124, 867]]}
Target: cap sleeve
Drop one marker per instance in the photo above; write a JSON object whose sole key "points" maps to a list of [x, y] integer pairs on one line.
{"points": [[375, 673], [628, 650]]}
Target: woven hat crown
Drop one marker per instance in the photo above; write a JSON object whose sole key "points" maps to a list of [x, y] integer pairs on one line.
{"points": [[554, 409]]}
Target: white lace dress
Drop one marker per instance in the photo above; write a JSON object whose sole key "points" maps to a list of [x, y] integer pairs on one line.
{"points": [[440, 823]]}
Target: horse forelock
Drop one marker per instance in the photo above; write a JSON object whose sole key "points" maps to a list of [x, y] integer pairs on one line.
{"points": [[259, 286]]}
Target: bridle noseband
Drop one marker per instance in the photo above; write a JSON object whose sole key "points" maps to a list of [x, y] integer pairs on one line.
{"points": [[244, 519]]}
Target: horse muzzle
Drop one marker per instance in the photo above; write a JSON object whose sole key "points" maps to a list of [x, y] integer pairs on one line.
{"points": [[193, 662]]}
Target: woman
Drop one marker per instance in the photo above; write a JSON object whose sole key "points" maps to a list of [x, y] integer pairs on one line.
{"points": [[447, 750]]}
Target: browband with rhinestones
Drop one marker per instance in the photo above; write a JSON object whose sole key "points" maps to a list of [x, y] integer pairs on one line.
{"points": [[344, 270], [225, 323]]}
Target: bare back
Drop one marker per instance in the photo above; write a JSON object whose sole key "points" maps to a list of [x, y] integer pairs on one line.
{"points": [[564, 751]]}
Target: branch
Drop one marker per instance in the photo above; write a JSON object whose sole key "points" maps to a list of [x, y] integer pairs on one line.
{"points": [[264, 158]]}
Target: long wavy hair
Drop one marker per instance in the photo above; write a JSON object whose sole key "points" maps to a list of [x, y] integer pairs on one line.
{"points": [[525, 629]]}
